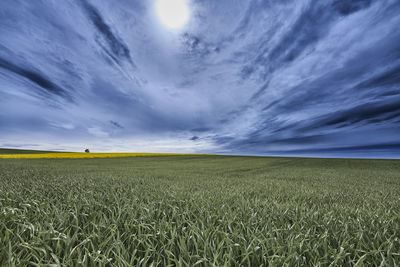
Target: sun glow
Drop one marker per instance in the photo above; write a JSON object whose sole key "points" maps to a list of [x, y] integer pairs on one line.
{"points": [[174, 14]]}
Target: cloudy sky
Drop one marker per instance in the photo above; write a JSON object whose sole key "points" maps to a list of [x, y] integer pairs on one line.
{"points": [[260, 77]]}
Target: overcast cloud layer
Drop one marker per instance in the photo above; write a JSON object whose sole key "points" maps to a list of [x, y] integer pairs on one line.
{"points": [[301, 77]]}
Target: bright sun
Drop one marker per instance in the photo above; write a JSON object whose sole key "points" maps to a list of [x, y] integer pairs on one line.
{"points": [[173, 13]]}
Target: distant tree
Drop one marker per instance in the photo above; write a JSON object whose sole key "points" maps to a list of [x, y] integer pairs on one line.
{"points": [[87, 150]]}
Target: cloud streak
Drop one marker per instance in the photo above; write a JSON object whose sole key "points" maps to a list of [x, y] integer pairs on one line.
{"points": [[36, 78]]}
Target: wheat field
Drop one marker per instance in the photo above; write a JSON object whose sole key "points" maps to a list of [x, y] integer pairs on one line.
{"points": [[199, 211]]}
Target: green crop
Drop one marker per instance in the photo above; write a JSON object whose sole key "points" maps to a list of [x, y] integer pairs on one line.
{"points": [[199, 211]]}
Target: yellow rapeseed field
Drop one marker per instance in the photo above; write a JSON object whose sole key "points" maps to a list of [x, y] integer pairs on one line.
{"points": [[87, 155]]}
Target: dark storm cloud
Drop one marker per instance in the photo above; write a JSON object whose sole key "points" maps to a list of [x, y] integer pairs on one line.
{"points": [[369, 112], [34, 77], [114, 46], [346, 7], [204, 129], [388, 78], [376, 150], [116, 124], [291, 77]]}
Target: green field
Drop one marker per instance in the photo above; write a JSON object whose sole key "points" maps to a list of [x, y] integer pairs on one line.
{"points": [[10, 151], [199, 210]]}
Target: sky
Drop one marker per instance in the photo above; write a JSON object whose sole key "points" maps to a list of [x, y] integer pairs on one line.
{"points": [[255, 77]]}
